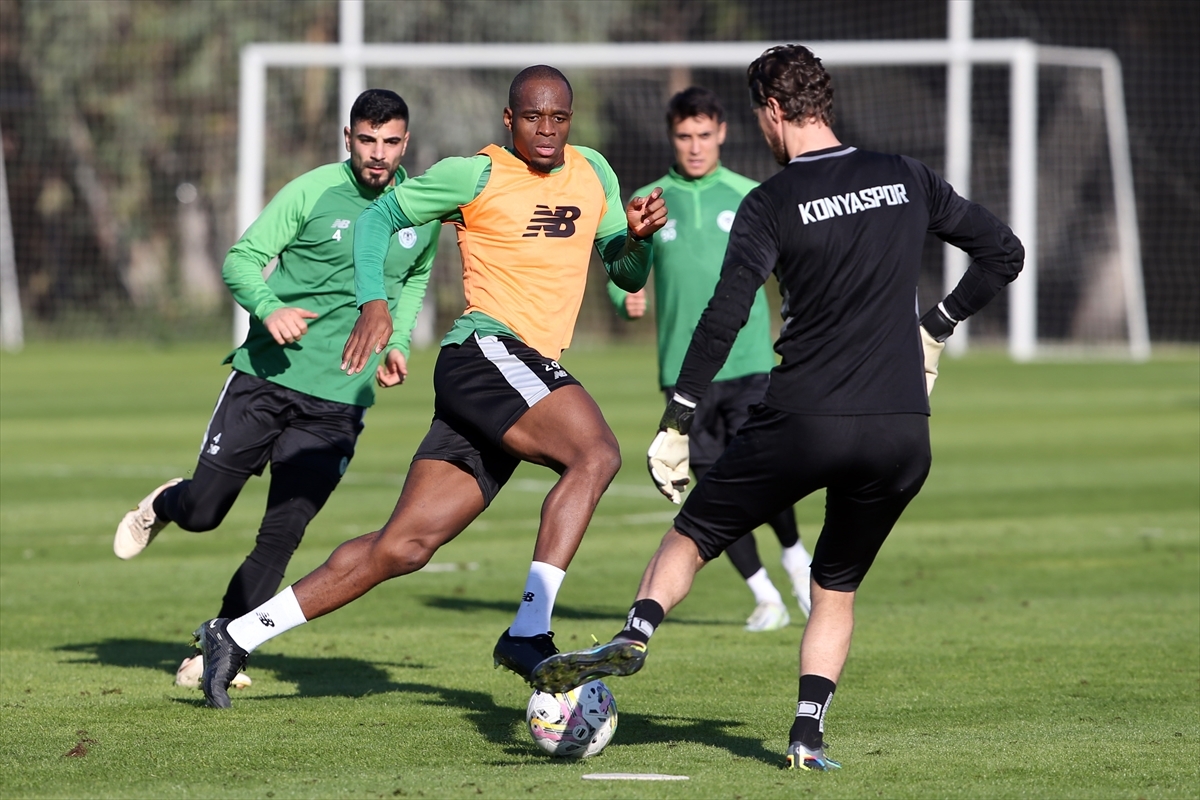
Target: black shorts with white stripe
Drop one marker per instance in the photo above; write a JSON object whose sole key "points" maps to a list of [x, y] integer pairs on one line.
{"points": [[481, 388]]}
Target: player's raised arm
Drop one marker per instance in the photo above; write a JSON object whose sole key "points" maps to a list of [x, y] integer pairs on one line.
{"points": [[646, 214]]}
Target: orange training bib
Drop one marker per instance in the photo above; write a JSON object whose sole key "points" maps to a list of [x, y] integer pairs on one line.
{"points": [[526, 241]]}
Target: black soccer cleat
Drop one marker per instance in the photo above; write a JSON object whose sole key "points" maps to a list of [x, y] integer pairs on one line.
{"points": [[223, 660], [522, 653], [565, 671]]}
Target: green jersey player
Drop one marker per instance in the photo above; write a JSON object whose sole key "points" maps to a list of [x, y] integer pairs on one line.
{"points": [[703, 197], [286, 402]]}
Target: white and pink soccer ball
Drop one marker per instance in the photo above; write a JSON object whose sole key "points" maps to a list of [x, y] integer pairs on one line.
{"points": [[575, 724]]}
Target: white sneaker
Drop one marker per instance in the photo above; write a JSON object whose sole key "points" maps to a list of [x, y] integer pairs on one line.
{"points": [[802, 588], [768, 616], [192, 670], [139, 527]]}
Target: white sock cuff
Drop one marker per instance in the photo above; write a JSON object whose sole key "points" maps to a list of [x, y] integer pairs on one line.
{"points": [[764, 590], [547, 573], [795, 556], [279, 614]]}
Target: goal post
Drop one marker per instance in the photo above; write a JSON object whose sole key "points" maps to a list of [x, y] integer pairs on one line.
{"points": [[1021, 57]]}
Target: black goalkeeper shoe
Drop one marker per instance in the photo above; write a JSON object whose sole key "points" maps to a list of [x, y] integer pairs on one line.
{"points": [[522, 653], [223, 660]]}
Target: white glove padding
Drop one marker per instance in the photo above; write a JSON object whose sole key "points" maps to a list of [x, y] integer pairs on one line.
{"points": [[667, 459], [933, 351]]}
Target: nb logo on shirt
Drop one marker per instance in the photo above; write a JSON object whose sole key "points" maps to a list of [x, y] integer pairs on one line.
{"points": [[556, 224]]}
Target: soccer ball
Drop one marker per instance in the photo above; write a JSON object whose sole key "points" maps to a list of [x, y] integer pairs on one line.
{"points": [[575, 724]]}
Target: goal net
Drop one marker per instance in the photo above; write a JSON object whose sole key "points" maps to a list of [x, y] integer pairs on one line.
{"points": [[1049, 152]]}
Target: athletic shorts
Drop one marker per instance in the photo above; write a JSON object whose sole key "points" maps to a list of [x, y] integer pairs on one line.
{"points": [[719, 414], [871, 466], [257, 421], [481, 388]]}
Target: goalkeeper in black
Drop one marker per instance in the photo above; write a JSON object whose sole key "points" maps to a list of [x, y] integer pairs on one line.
{"points": [[847, 410]]}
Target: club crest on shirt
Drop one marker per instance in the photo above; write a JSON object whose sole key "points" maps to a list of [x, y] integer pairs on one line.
{"points": [[407, 238], [668, 232], [725, 220]]}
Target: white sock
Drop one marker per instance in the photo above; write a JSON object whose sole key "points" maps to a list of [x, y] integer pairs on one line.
{"points": [[541, 587], [764, 590], [280, 613], [795, 557]]}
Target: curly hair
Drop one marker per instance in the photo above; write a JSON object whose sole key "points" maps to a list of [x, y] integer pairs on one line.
{"points": [[795, 78]]}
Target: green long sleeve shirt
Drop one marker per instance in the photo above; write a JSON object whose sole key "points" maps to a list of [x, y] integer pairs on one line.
{"points": [[310, 226], [453, 182], [686, 263]]}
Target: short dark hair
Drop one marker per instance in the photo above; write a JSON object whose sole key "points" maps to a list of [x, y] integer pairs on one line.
{"points": [[694, 101], [795, 78], [538, 72], [378, 106]]}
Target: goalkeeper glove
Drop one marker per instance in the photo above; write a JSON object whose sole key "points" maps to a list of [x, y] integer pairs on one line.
{"points": [[667, 457], [936, 327]]}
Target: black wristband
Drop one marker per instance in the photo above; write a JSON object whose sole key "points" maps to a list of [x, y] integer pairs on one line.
{"points": [[677, 416], [938, 324]]}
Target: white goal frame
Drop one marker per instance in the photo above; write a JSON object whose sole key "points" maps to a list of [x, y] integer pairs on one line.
{"points": [[1021, 56]]}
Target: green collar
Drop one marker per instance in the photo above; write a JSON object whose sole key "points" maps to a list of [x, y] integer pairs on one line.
{"points": [[696, 184]]}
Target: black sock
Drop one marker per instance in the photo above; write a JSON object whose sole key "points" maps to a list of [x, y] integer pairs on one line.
{"points": [[644, 617], [816, 693]]}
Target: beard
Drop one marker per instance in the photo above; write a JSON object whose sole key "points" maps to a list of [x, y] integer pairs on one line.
{"points": [[370, 180], [778, 149]]}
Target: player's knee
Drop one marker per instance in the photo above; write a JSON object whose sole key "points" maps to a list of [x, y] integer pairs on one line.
{"points": [[403, 556], [604, 461]]}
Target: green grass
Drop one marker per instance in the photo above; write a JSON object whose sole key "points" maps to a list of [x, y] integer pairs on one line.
{"points": [[1031, 628]]}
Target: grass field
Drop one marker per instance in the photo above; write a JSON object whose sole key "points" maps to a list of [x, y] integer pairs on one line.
{"points": [[1031, 629]]}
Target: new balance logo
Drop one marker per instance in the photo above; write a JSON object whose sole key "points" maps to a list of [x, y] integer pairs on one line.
{"points": [[215, 447], [265, 619], [556, 224], [527, 597]]}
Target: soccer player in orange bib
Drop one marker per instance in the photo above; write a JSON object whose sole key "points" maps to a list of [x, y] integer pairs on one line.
{"points": [[527, 218]]}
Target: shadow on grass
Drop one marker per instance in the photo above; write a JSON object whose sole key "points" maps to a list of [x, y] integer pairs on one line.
{"points": [[634, 729], [615, 615], [332, 676]]}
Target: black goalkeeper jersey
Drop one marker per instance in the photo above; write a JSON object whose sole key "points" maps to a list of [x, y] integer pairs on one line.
{"points": [[843, 230]]}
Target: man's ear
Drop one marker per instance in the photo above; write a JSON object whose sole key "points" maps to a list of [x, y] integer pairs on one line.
{"points": [[508, 118], [346, 133]]}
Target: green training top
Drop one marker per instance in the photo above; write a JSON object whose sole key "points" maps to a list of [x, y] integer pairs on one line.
{"points": [[453, 182], [310, 226], [688, 252]]}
